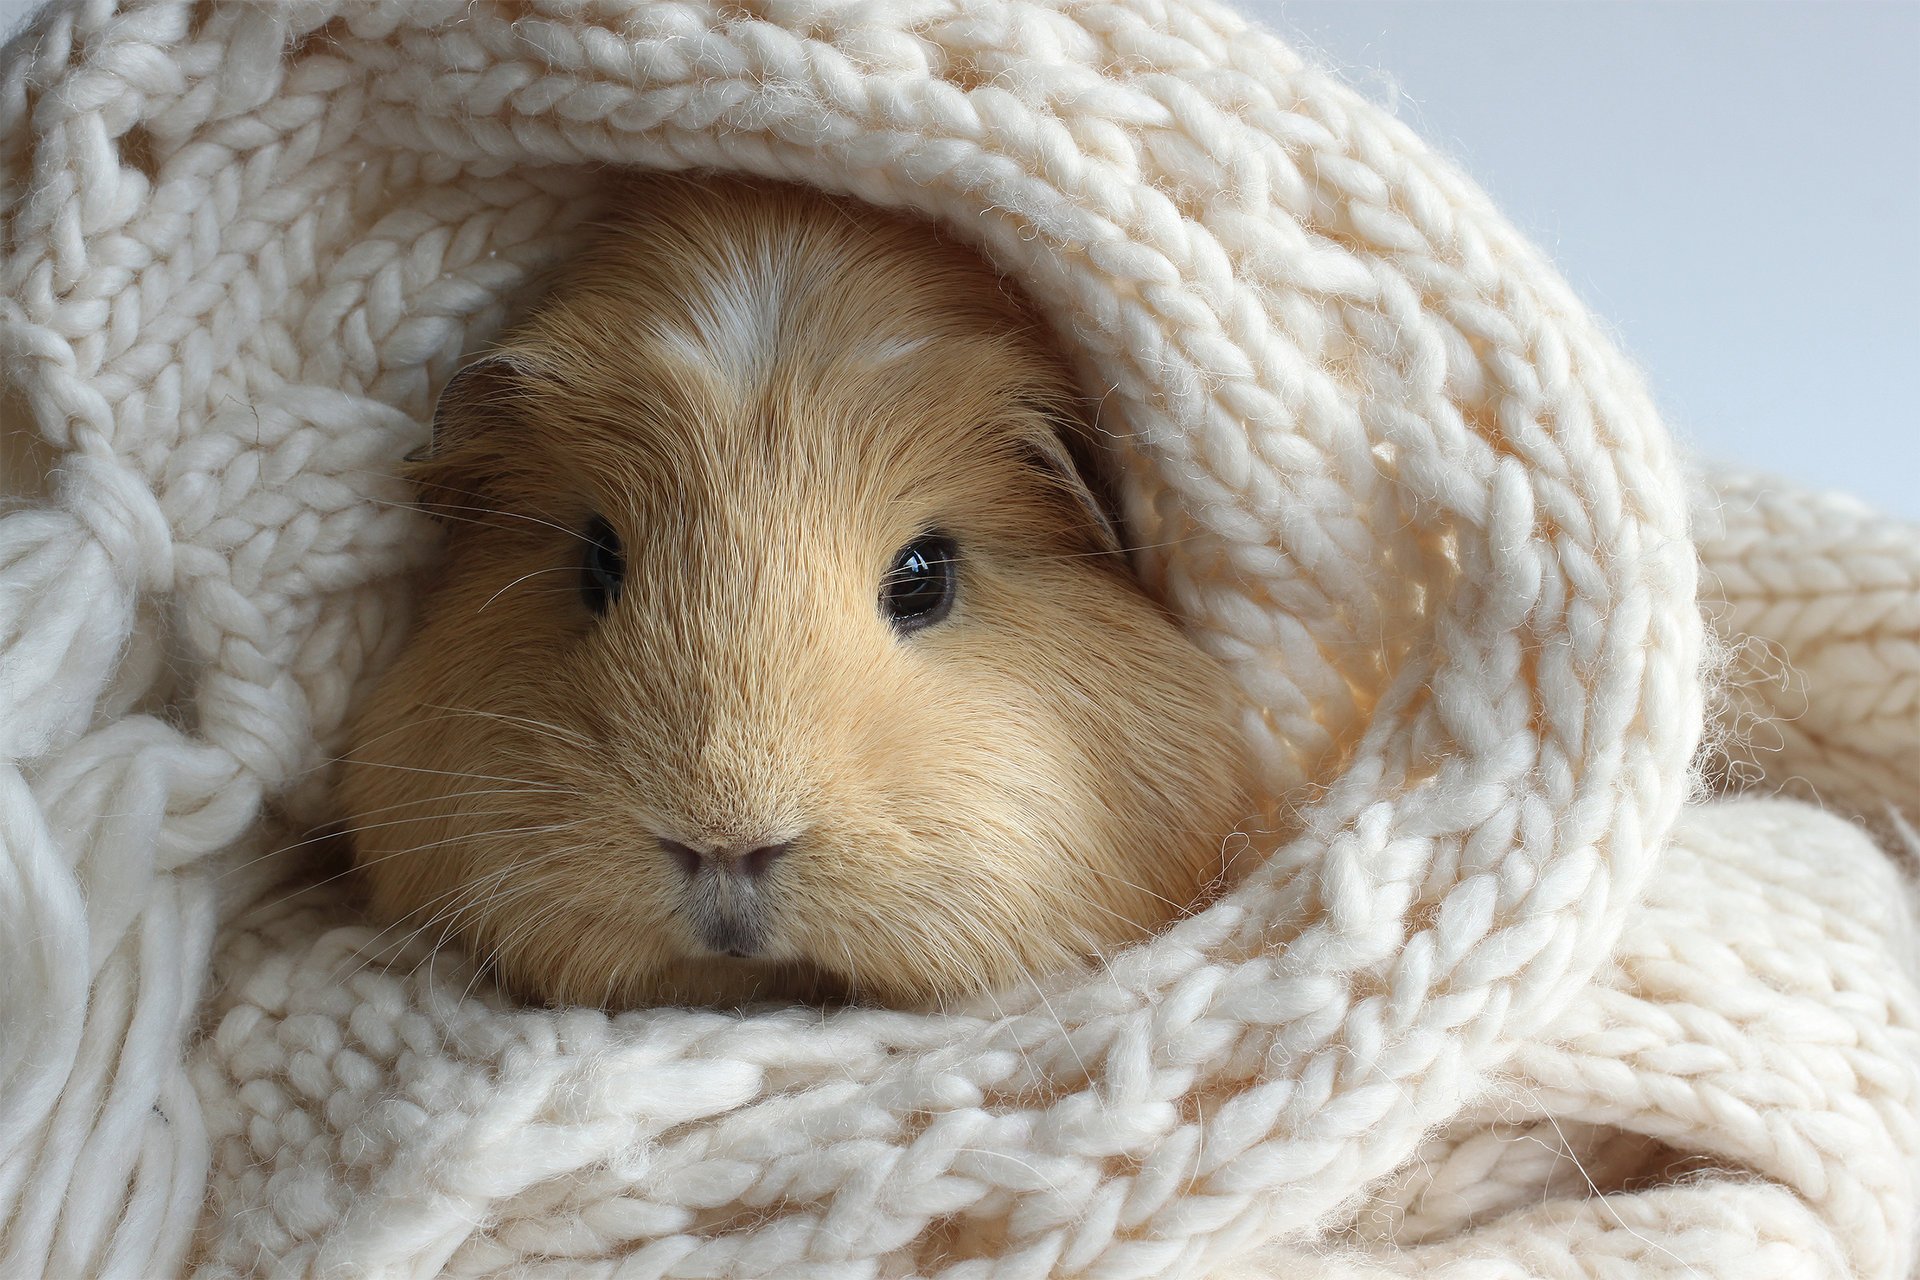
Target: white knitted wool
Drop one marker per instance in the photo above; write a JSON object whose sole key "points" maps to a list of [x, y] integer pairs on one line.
{"points": [[1822, 594], [1394, 476], [1748, 1064]]}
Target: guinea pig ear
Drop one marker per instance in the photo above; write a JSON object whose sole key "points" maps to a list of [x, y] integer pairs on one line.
{"points": [[1065, 452], [471, 446], [478, 393]]}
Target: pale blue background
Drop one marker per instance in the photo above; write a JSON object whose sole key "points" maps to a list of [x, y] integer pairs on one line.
{"points": [[1735, 186]]}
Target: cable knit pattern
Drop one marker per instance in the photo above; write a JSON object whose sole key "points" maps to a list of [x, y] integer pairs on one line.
{"points": [[1388, 470], [1821, 597]]}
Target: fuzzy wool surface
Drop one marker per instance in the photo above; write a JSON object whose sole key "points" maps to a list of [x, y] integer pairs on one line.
{"points": [[1511, 997]]}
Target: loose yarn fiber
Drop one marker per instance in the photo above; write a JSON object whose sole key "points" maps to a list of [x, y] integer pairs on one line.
{"points": [[1386, 467]]}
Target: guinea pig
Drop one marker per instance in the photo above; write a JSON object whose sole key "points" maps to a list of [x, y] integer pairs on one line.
{"points": [[783, 646]]}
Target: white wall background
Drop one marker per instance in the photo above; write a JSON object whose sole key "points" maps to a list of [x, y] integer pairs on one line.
{"points": [[1735, 186]]}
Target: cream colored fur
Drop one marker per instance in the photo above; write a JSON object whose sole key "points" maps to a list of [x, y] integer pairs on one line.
{"points": [[1050, 772]]}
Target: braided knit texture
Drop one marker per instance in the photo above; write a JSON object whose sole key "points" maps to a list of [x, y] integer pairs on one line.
{"points": [[1819, 596], [1385, 466]]}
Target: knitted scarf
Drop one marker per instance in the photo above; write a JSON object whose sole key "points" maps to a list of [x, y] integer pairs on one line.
{"points": [[1501, 1003]]}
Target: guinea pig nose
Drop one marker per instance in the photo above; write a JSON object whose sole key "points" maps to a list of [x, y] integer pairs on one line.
{"points": [[753, 862], [750, 862], [686, 859]]}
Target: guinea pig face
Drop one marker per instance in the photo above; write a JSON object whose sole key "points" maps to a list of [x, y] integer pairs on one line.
{"points": [[779, 649]]}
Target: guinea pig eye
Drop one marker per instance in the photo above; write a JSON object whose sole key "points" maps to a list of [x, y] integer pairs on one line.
{"points": [[918, 589], [604, 567]]}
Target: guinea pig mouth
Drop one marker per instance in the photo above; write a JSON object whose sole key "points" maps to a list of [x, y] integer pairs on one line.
{"points": [[728, 918], [730, 936]]}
